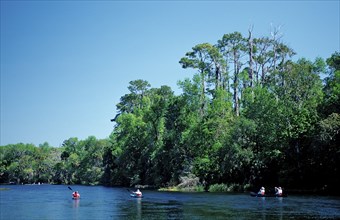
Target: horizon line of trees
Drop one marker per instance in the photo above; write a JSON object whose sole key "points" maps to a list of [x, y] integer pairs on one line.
{"points": [[250, 116]]}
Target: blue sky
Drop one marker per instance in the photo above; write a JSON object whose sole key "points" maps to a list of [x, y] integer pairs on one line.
{"points": [[65, 64]]}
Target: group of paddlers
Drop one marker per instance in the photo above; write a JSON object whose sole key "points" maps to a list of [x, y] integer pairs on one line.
{"points": [[76, 195], [278, 191], [138, 193]]}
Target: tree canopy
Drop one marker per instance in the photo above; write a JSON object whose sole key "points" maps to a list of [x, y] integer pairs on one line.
{"points": [[249, 116]]}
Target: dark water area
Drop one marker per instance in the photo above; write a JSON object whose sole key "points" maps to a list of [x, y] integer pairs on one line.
{"points": [[98, 202]]}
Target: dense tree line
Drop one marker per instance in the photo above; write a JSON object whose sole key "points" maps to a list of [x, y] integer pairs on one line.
{"points": [[249, 116], [76, 162]]}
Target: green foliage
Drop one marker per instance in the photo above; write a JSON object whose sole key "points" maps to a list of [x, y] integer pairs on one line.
{"points": [[228, 188], [332, 86], [26, 163]]}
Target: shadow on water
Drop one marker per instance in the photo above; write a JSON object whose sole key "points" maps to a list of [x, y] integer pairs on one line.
{"points": [[142, 208], [200, 206]]}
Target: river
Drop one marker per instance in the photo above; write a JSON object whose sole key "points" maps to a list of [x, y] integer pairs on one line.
{"points": [[99, 202]]}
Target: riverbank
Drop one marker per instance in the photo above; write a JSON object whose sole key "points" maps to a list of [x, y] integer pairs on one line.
{"points": [[223, 188], [216, 188], [1, 189]]}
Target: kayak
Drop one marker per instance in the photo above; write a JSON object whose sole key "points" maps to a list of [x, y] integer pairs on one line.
{"points": [[253, 194], [135, 195], [75, 197]]}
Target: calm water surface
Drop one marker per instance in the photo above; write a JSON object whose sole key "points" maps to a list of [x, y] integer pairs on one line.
{"points": [[97, 202]]}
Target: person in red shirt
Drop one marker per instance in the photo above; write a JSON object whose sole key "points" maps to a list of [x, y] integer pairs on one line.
{"points": [[76, 195]]}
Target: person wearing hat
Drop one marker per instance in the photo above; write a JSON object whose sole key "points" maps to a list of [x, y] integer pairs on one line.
{"points": [[278, 191], [262, 191], [138, 193]]}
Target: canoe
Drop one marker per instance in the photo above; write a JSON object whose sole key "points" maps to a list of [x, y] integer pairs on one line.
{"points": [[253, 194], [135, 195]]}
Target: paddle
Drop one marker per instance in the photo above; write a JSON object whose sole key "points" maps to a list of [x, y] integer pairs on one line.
{"points": [[74, 197], [130, 191], [253, 194]]}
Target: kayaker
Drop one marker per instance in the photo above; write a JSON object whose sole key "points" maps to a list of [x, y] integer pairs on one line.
{"points": [[262, 191], [76, 194], [138, 193], [278, 191]]}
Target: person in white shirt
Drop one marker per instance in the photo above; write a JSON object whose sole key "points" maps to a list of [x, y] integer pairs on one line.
{"points": [[278, 191], [138, 193]]}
